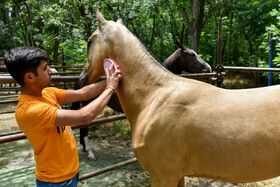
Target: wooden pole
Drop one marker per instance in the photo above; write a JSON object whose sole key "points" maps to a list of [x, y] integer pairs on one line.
{"points": [[219, 67]]}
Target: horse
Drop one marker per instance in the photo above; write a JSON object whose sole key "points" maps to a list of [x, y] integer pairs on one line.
{"points": [[185, 59], [183, 127]]}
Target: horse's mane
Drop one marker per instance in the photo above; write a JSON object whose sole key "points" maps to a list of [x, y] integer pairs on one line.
{"points": [[90, 41], [149, 51]]}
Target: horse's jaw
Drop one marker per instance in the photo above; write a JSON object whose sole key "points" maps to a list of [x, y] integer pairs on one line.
{"points": [[91, 74]]}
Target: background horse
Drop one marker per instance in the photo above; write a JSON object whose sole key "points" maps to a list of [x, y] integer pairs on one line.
{"points": [[183, 59], [183, 127]]}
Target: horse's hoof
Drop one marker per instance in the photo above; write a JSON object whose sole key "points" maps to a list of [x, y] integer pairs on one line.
{"points": [[91, 158]]}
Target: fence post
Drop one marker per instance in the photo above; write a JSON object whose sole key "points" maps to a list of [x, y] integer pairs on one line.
{"points": [[271, 49], [63, 62], [219, 67]]}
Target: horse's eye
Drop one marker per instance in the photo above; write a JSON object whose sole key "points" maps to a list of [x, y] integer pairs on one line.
{"points": [[192, 54], [90, 43], [189, 52]]}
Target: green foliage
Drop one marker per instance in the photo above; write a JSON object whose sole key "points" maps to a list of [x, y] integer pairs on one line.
{"points": [[57, 25], [275, 30], [123, 128]]}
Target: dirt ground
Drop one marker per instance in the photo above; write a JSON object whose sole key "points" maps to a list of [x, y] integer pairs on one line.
{"points": [[111, 144]]}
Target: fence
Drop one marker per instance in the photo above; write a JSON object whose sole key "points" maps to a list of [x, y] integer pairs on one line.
{"points": [[251, 69]]}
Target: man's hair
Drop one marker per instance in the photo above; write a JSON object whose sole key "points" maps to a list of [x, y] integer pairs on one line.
{"points": [[22, 60]]}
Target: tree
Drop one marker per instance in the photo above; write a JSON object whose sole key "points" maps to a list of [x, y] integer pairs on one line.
{"points": [[195, 21], [66, 24]]}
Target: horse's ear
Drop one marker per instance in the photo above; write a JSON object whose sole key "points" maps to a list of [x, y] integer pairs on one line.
{"points": [[101, 20], [120, 20], [180, 45]]}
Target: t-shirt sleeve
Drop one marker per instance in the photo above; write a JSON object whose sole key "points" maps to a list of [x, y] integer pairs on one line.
{"points": [[60, 95], [57, 94]]}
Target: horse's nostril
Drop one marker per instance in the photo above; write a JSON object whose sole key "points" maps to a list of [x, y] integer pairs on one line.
{"points": [[206, 71]]}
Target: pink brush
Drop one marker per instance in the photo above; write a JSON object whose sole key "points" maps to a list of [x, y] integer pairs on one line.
{"points": [[108, 62]]}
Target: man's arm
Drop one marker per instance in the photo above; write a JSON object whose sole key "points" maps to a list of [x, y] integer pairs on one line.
{"points": [[86, 114], [85, 93]]}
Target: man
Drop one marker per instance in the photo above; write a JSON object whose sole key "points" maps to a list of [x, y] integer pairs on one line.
{"points": [[42, 120]]}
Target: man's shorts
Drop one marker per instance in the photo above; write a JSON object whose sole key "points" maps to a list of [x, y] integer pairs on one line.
{"points": [[69, 183]]}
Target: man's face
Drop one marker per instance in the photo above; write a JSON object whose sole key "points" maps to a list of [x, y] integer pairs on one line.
{"points": [[44, 74]]}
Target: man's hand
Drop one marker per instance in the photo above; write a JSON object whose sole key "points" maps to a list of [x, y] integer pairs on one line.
{"points": [[113, 78]]}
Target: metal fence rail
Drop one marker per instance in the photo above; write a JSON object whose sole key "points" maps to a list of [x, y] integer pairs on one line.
{"points": [[256, 69], [107, 169], [9, 79], [21, 136]]}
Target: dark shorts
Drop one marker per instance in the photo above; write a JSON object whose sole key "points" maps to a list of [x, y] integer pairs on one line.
{"points": [[69, 183]]}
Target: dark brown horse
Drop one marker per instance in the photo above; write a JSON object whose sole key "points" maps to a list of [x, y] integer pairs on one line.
{"points": [[185, 59]]}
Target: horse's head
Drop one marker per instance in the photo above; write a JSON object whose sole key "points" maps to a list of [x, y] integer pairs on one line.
{"points": [[98, 49], [185, 59]]}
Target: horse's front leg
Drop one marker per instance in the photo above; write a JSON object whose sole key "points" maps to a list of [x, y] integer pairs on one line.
{"points": [[158, 181]]}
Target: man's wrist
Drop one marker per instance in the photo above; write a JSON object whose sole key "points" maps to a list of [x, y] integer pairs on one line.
{"points": [[110, 88]]}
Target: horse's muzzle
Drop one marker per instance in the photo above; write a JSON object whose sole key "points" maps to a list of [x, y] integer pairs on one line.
{"points": [[83, 78], [207, 70]]}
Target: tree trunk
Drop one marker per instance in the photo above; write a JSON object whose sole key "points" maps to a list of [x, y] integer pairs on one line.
{"points": [[7, 18], [195, 25], [182, 34], [256, 78], [29, 32], [56, 43], [134, 29], [153, 32], [224, 45], [194, 36], [229, 41], [87, 24], [14, 33], [24, 31]]}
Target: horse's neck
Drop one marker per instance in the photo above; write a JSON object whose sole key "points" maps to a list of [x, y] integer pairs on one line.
{"points": [[142, 76]]}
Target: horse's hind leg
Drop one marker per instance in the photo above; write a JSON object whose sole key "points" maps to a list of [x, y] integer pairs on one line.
{"points": [[84, 141], [181, 182], [88, 149]]}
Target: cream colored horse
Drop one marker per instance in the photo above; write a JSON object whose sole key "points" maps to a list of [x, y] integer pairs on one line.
{"points": [[182, 127]]}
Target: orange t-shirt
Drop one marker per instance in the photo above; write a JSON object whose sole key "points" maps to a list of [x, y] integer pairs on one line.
{"points": [[55, 148]]}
